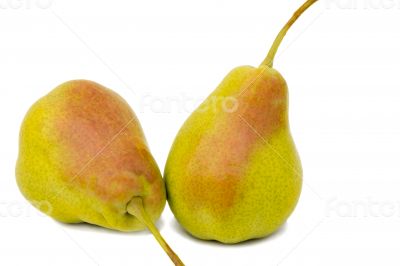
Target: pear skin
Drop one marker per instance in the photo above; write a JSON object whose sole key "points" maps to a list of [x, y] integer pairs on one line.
{"points": [[235, 175], [233, 172], [83, 153]]}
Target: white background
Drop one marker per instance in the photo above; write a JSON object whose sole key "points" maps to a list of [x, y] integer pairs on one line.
{"points": [[341, 61]]}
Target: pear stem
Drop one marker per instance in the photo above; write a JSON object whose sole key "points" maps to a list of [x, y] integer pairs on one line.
{"points": [[269, 60], [135, 208]]}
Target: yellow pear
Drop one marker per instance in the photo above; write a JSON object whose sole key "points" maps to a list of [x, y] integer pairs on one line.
{"points": [[83, 155], [233, 172]]}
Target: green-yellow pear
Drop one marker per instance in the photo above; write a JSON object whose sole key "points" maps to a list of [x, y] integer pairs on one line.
{"points": [[83, 153], [233, 172]]}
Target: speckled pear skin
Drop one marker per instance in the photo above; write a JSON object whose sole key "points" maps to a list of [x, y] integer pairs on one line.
{"points": [[233, 174], [83, 153]]}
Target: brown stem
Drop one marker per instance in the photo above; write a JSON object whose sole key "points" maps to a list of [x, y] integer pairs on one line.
{"points": [[135, 208], [269, 60]]}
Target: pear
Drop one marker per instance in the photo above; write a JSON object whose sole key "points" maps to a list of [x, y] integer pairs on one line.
{"points": [[84, 156], [233, 172]]}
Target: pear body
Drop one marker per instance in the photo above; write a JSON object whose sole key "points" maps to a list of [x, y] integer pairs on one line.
{"points": [[83, 157], [233, 172]]}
